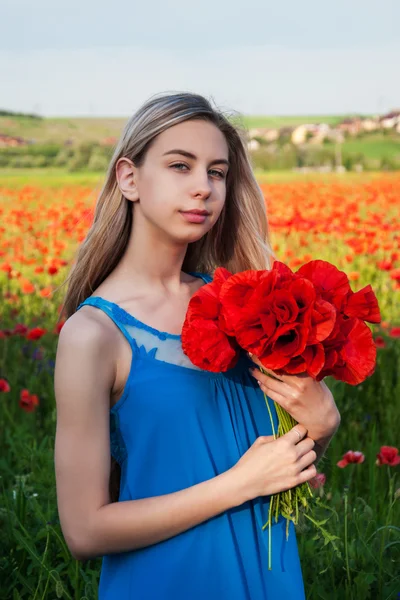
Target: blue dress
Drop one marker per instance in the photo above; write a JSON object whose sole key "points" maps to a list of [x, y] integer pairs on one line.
{"points": [[174, 426]]}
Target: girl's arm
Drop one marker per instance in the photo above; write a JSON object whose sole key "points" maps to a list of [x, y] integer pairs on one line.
{"points": [[91, 524]]}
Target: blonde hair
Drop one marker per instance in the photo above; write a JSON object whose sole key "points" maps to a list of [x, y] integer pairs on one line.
{"points": [[239, 240]]}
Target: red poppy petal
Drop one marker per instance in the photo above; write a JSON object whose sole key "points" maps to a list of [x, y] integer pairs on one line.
{"points": [[364, 305], [332, 284]]}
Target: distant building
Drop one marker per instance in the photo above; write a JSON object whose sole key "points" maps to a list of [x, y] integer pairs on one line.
{"points": [[11, 141], [267, 134], [271, 135], [350, 125], [299, 134], [109, 141], [313, 132], [253, 145], [370, 124], [286, 131], [391, 119]]}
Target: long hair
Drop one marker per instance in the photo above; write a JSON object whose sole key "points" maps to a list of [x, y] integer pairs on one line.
{"points": [[239, 240]]}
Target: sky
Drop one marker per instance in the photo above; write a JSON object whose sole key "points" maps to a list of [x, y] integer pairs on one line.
{"points": [[260, 57]]}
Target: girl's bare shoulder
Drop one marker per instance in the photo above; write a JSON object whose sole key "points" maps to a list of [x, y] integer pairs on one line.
{"points": [[89, 325], [88, 342]]}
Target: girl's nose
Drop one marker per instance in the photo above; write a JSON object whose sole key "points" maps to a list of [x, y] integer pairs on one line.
{"points": [[202, 185]]}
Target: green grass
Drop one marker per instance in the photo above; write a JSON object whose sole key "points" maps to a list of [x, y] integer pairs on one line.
{"points": [[52, 177], [60, 129], [346, 177], [374, 146]]}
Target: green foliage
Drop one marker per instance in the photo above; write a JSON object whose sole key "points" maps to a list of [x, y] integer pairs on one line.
{"points": [[11, 113], [28, 162], [350, 160], [97, 162], [291, 156], [89, 155], [352, 553], [63, 157], [265, 159], [29, 156]]}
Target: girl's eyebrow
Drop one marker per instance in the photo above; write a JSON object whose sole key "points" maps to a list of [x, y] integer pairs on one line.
{"points": [[193, 156]]}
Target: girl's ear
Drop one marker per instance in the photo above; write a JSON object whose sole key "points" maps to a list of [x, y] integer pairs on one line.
{"points": [[125, 173]]}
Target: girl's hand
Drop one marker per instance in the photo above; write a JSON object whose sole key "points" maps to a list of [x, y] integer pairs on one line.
{"points": [[271, 466], [308, 401]]}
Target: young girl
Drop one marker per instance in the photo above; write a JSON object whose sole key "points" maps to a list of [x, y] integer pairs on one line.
{"points": [[162, 468]]}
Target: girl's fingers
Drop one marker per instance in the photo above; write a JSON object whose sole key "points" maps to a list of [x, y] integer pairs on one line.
{"points": [[279, 377], [254, 358], [269, 382], [273, 389], [274, 395]]}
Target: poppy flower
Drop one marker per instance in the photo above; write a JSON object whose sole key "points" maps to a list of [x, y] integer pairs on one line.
{"points": [[20, 329], [205, 334], [333, 285], [356, 356], [35, 333], [237, 291], [363, 304], [379, 342], [351, 457], [311, 361], [275, 314], [28, 402], [388, 455], [4, 385], [318, 481]]}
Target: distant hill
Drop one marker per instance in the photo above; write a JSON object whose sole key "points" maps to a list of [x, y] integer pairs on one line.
{"points": [[79, 129], [275, 142]]}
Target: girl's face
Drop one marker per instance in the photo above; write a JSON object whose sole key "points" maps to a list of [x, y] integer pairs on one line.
{"points": [[185, 169]]}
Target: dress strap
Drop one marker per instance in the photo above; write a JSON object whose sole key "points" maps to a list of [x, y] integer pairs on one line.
{"points": [[103, 305], [205, 276]]}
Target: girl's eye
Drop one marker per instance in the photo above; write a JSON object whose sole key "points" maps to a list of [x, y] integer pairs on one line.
{"points": [[221, 174]]}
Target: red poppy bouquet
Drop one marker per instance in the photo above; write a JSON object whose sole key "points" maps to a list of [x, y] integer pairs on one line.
{"points": [[308, 321]]}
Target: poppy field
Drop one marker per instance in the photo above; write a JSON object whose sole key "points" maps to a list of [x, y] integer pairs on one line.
{"points": [[351, 547]]}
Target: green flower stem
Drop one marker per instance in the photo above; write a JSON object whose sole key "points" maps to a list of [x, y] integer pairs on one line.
{"points": [[286, 503], [388, 519], [346, 540], [269, 534]]}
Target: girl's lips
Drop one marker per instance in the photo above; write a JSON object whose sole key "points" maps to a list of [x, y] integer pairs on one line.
{"points": [[193, 217]]}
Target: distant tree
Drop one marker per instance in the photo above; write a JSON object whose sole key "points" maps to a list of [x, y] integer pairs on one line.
{"points": [[10, 113]]}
